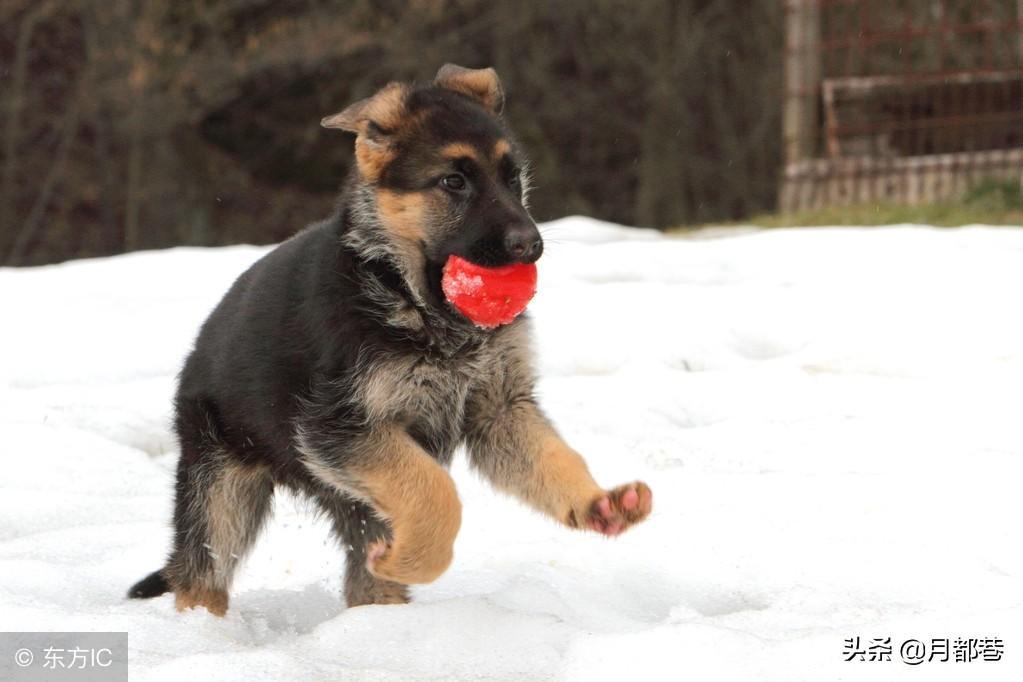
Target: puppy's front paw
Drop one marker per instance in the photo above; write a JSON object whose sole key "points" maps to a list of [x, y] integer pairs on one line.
{"points": [[616, 510]]}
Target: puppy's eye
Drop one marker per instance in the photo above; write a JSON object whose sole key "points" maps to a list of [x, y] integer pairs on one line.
{"points": [[514, 182], [455, 182]]}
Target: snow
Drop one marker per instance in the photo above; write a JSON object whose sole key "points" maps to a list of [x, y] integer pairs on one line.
{"points": [[830, 419], [462, 284]]}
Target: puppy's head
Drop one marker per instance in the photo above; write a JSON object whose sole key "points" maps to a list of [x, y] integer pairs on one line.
{"points": [[445, 175]]}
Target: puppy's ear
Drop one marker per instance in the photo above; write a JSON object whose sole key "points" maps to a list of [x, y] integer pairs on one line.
{"points": [[350, 119], [482, 85], [374, 117]]}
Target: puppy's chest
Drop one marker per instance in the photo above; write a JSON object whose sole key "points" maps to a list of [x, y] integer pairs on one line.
{"points": [[428, 397]]}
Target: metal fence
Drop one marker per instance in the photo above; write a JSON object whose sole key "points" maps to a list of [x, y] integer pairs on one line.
{"points": [[906, 101]]}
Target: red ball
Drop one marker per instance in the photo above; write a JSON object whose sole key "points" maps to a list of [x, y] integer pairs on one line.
{"points": [[489, 297]]}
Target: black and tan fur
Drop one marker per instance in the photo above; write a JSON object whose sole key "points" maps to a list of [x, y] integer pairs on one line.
{"points": [[334, 367]]}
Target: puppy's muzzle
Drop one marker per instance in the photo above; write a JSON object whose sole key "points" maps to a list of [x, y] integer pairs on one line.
{"points": [[522, 243]]}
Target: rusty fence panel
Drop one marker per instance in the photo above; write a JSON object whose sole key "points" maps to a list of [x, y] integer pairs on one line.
{"points": [[905, 101]]}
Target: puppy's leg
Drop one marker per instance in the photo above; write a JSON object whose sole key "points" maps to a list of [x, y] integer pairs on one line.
{"points": [[357, 528], [220, 507], [407, 488], [512, 444]]}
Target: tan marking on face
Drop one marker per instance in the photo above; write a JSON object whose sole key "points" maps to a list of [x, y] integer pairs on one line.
{"points": [[459, 150], [404, 214], [406, 217], [417, 497], [501, 147], [372, 158]]}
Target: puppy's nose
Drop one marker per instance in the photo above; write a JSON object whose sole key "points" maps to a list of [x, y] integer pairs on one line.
{"points": [[523, 243]]}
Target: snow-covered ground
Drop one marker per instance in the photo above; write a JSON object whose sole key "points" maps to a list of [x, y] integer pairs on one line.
{"points": [[831, 421]]}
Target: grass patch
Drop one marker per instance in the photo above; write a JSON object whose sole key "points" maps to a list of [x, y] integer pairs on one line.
{"points": [[990, 202]]}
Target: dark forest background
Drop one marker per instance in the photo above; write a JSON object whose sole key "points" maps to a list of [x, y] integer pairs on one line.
{"points": [[132, 124]]}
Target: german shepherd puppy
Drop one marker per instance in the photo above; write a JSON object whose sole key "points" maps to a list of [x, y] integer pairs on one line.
{"points": [[335, 367]]}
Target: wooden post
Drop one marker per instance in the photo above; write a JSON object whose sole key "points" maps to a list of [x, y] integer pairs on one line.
{"points": [[1019, 27], [800, 123]]}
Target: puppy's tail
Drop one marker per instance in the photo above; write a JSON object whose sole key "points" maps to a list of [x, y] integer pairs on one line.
{"points": [[153, 585]]}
